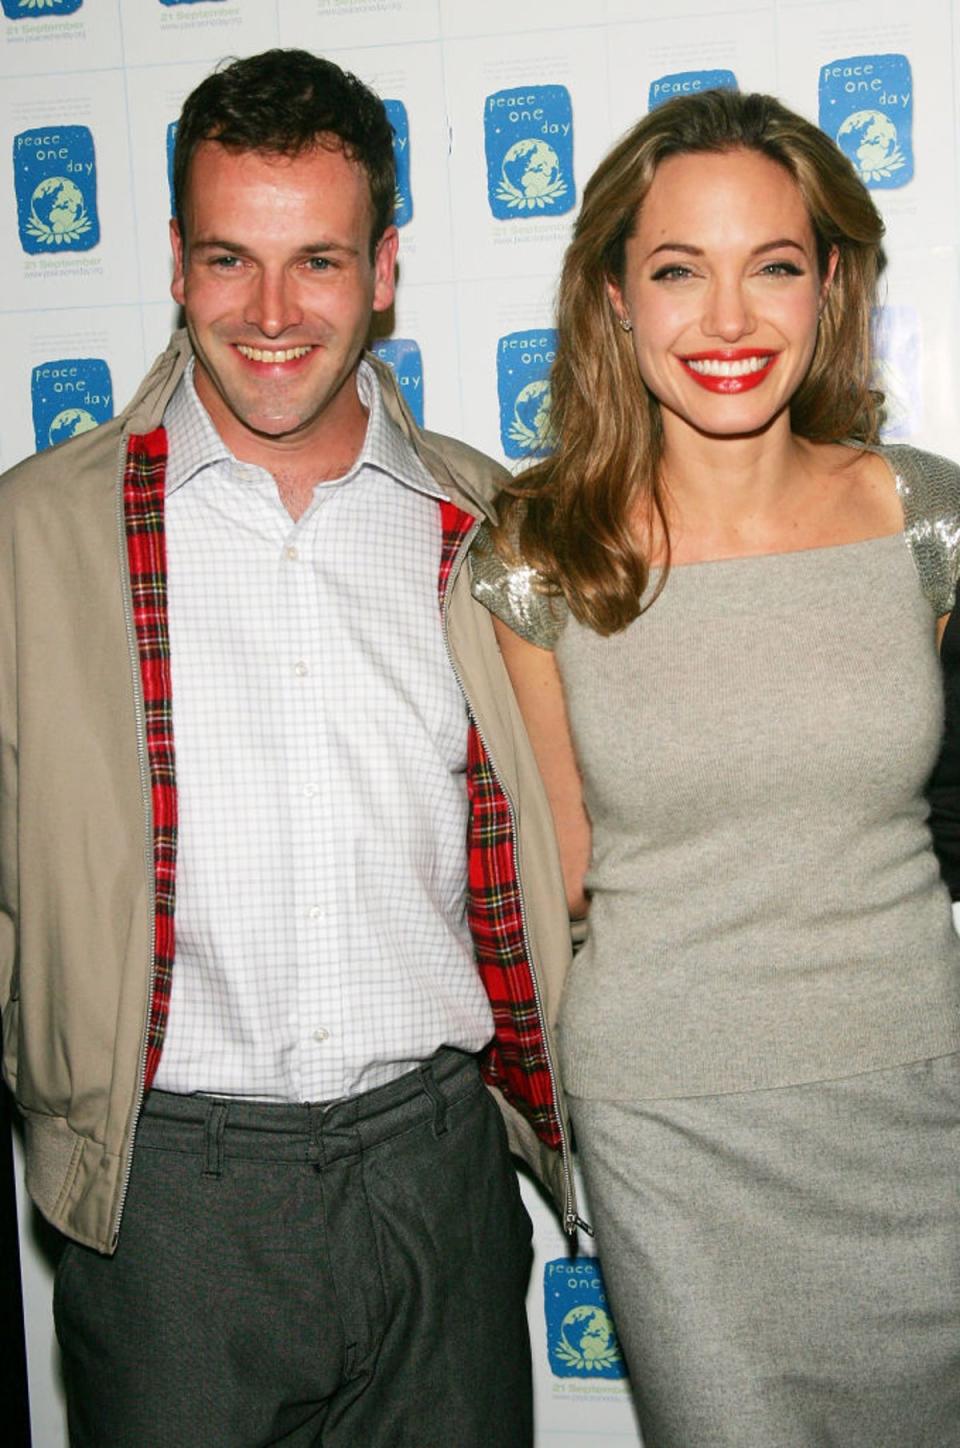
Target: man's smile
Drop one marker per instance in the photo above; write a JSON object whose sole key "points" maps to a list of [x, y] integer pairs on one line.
{"points": [[274, 355]]}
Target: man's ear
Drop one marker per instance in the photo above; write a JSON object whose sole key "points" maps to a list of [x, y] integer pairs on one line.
{"points": [[177, 247], [385, 269]]}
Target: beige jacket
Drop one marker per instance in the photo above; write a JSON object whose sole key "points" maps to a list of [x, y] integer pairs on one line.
{"points": [[76, 852]]}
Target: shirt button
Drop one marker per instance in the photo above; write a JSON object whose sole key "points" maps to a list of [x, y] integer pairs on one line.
{"points": [[321, 1034], [300, 669], [315, 912], [293, 552], [310, 790]]}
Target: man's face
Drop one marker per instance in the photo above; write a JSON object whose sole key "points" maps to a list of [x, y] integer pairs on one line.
{"points": [[275, 277]]}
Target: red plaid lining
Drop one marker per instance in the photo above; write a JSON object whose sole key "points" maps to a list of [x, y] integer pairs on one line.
{"points": [[143, 503], [516, 1061]]}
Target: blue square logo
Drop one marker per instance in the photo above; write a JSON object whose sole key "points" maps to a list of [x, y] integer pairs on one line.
{"points": [[866, 105], [898, 351], [171, 144], [55, 179], [528, 136], [403, 200], [524, 360], [39, 9], [688, 83], [402, 356], [69, 396], [581, 1338]]}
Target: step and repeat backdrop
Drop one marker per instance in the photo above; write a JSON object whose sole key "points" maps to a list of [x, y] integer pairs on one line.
{"points": [[501, 110]]}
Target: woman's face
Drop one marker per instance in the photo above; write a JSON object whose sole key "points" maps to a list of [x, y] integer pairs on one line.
{"points": [[722, 288]]}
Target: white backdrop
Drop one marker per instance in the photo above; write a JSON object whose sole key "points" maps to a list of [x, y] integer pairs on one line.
{"points": [[502, 109]]}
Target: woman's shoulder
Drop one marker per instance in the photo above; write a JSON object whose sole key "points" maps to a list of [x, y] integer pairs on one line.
{"points": [[515, 592], [929, 490], [927, 479]]}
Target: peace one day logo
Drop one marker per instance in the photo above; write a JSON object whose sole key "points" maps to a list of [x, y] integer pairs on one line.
{"points": [[528, 139], [69, 396], [581, 1338], [402, 355], [55, 181], [524, 360], [688, 83], [400, 125], [866, 105]]}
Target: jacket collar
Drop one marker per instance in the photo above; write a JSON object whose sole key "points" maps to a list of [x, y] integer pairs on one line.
{"points": [[193, 443], [468, 482]]}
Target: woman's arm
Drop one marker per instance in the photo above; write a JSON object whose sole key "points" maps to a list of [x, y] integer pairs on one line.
{"points": [[943, 789], [536, 683]]}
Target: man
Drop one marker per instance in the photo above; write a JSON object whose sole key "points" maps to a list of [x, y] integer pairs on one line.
{"points": [[249, 717]]}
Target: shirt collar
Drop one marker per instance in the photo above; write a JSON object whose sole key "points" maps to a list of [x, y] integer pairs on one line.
{"points": [[194, 444]]}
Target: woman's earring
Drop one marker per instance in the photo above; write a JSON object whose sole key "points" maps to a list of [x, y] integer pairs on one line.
{"points": [[625, 323]]}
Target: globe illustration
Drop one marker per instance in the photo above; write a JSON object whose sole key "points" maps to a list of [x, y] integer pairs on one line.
{"points": [[58, 212], [530, 428], [587, 1338], [70, 422], [869, 139], [530, 175]]}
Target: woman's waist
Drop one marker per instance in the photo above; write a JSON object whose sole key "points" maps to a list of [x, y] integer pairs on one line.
{"points": [[698, 1022]]}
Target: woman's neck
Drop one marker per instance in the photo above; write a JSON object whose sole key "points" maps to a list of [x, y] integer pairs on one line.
{"points": [[732, 480], [768, 493]]}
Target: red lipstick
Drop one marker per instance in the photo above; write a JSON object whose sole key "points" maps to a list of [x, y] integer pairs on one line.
{"points": [[731, 370]]}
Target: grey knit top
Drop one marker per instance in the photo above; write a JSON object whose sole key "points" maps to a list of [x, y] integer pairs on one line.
{"points": [[766, 907]]}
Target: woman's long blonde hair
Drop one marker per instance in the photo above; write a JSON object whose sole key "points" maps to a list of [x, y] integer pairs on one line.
{"points": [[569, 515]]}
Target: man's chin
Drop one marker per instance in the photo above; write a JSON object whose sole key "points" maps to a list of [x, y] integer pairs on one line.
{"points": [[272, 427]]}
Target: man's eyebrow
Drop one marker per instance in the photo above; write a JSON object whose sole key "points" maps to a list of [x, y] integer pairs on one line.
{"points": [[236, 248], [320, 248]]}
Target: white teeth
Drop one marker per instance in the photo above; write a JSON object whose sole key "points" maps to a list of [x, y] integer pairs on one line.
{"points": [[714, 367], [287, 354]]}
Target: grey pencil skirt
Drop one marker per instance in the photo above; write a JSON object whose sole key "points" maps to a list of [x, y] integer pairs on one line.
{"points": [[784, 1265]]}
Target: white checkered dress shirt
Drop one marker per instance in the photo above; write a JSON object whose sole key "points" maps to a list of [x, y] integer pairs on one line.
{"points": [[320, 738]]}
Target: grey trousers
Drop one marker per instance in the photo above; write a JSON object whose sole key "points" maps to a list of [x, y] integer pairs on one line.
{"points": [[352, 1276], [784, 1265]]}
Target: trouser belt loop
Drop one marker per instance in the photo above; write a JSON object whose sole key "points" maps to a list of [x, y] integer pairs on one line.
{"points": [[215, 1126], [316, 1153], [437, 1098]]}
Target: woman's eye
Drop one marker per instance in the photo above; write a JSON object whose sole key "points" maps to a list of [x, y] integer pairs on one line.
{"points": [[671, 273]]}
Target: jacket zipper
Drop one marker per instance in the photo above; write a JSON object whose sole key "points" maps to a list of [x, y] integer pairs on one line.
{"points": [[141, 726], [571, 1221]]}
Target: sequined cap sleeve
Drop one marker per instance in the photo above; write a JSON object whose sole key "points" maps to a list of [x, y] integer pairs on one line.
{"points": [[929, 488], [515, 594]]}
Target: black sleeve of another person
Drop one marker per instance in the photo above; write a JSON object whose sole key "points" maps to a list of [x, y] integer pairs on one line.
{"points": [[943, 790]]}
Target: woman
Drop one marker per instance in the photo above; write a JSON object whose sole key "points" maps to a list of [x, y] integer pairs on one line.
{"points": [[734, 596]]}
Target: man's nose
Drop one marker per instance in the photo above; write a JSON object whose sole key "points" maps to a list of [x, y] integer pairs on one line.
{"points": [[272, 305]]}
